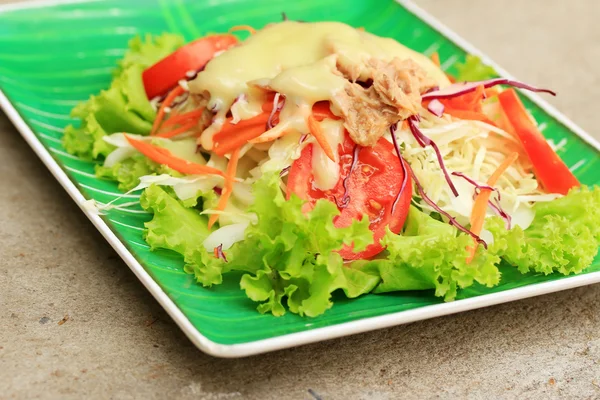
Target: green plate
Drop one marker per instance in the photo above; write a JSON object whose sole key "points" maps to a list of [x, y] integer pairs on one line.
{"points": [[54, 55]]}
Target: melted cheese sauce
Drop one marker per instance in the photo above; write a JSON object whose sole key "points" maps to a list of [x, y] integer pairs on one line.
{"points": [[297, 60]]}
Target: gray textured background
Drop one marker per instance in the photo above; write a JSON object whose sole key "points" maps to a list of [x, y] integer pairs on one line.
{"points": [[53, 263]]}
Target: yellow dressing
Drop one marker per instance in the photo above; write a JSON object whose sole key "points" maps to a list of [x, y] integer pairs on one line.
{"points": [[297, 60], [309, 83]]}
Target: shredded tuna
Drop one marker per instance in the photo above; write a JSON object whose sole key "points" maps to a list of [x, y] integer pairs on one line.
{"points": [[394, 95]]}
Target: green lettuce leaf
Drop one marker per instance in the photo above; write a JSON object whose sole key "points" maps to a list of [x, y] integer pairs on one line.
{"points": [[124, 106], [128, 172], [564, 236], [430, 254], [288, 257], [291, 255], [148, 50], [173, 226], [181, 229], [474, 70]]}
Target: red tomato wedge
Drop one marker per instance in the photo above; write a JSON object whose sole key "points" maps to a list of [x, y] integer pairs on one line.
{"points": [[372, 186], [164, 75], [549, 169]]}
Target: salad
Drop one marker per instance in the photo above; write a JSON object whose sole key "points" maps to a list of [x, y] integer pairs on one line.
{"points": [[317, 157]]}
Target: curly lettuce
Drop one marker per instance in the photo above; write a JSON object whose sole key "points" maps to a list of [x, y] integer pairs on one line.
{"points": [[178, 226], [430, 254], [564, 236], [124, 106], [473, 69], [289, 260], [128, 172], [294, 256], [288, 257]]}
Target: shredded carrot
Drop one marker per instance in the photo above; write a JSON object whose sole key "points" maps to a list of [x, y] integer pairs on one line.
{"points": [[435, 57], [216, 252], [317, 132], [248, 28], [173, 94], [467, 106], [451, 78], [232, 136], [183, 128], [361, 28], [164, 156], [249, 130], [466, 114], [322, 110], [469, 101], [228, 187], [179, 118], [491, 92], [481, 202]]}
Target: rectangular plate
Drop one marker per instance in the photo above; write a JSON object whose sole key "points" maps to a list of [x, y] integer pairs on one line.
{"points": [[54, 55]]}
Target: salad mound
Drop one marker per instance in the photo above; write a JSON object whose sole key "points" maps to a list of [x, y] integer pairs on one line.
{"points": [[316, 157]]}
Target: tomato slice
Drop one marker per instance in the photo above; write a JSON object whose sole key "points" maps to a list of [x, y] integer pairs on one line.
{"points": [[164, 75], [372, 186]]}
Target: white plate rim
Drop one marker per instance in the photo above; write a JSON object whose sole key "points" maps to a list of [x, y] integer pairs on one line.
{"points": [[318, 334]]}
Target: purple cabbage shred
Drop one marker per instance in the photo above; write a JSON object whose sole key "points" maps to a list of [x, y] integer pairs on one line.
{"points": [[494, 205], [220, 254], [451, 220], [425, 141]]}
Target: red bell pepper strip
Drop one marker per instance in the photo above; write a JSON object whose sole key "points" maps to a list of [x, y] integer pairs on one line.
{"points": [[549, 169]]}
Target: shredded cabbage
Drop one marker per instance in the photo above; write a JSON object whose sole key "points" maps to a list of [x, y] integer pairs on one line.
{"points": [[475, 149]]}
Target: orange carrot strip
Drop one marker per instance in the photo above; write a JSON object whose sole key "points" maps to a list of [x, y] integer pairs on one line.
{"points": [[228, 187], [183, 128], [466, 114], [469, 101], [491, 92], [241, 137], [267, 107], [164, 156], [248, 28], [317, 132], [322, 110], [235, 135], [230, 129], [166, 103], [435, 57], [481, 202], [173, 120]]}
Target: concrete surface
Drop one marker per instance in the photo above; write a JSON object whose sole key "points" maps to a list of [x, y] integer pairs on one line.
{"points": [[118, 343]]}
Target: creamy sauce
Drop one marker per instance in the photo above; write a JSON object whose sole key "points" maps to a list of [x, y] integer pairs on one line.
{"points": [[310, 83], [298, 60], [325, 171]]}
